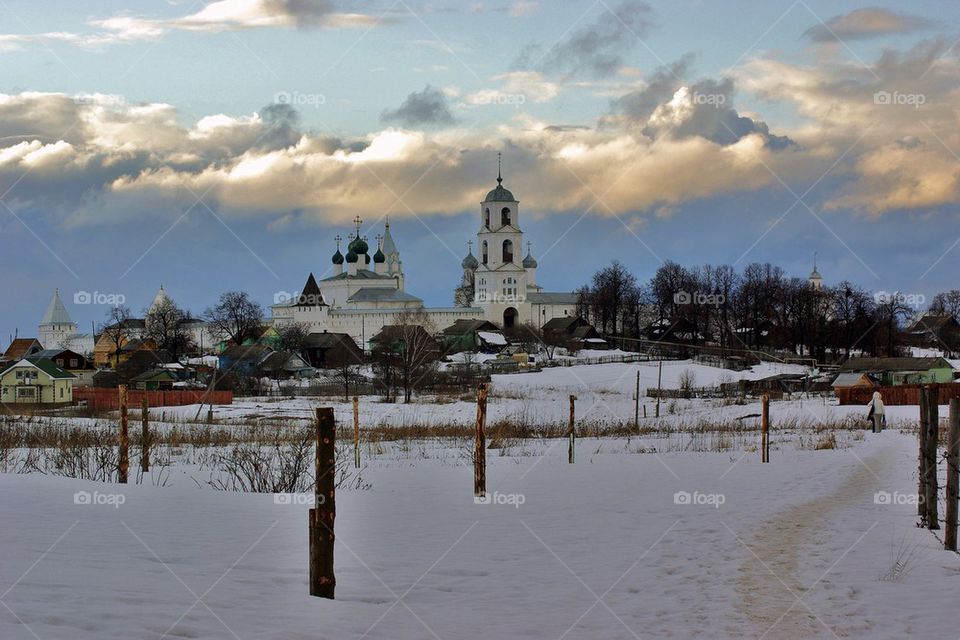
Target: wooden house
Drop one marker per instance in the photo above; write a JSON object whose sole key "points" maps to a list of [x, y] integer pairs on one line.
{"points": [[35, 381]]}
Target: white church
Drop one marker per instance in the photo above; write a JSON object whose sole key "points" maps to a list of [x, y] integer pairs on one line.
{"points": [[366, 293]]}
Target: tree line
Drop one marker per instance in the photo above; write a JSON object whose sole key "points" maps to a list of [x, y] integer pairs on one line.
{"points": [[757, 308]]}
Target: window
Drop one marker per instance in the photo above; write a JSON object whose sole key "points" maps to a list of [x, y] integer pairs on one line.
{"points": [[507, 251], [486, 218], [505, 216], [26, 392], [484, 253], [61, 392]]}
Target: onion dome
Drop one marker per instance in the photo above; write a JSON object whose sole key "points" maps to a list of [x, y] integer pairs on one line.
{"points": [[500, 193], [470, 262], [529, 262], [351, 256], [358, 245], [379, 258], [338, 257]]}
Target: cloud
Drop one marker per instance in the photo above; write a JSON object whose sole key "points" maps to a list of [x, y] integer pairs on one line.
{"points": [[223, 15], [594, 50], [517, 88], [668, 106], [866, 23], [421, 108]]}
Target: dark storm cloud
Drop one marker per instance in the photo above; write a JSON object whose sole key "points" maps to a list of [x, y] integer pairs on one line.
{"points": [[597, 49], [421, 108], [870, 22]]}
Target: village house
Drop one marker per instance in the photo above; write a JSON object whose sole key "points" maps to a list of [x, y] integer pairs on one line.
{"points": [[22, 348], [35, 381], [329, 350], [897, 371]]}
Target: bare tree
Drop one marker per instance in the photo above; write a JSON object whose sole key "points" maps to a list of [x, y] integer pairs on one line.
{"points": [[117, 330], [165, 326], [236, 317], [407, 352], [293, 336]]}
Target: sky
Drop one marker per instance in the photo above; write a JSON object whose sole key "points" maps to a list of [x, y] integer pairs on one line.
{"points": [[215, 146]]}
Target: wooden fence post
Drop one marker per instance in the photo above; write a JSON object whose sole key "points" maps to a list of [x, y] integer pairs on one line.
{"points": [[480, 445], [765, 428], [324, 512], [356, 432], [123, 457], [636, 406], [922, 467], [144, 435], [953, 476], [659, 378], [572, 432], [930, 456]]}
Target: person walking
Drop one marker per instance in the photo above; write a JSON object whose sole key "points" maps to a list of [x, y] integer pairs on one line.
{"points": [[876, 412]]}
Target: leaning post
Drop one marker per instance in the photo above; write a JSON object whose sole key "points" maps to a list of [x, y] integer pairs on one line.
{"points": [[356, 432], [323, 514], [572, 432], [765, 428], [953, 476], [144, 435], [123, 458]]}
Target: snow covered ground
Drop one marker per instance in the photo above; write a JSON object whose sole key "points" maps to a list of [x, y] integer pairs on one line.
{"points": [[644, 537]]}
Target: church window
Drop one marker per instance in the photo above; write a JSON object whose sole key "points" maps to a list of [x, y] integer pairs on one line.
{"points": [[486, 218], [484, 253], [505, 216], [507, 251]]}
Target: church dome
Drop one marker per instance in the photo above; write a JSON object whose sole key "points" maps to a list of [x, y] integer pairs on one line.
{"points": [[500, 194], [470, 262], [379, 258], [338, 257], [529, 262], [358, 245], [351, 256], [815, 275]]}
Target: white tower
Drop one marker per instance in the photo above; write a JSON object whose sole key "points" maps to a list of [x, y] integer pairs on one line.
{"points": [[815, 280], [500, 279], [56, 325]]}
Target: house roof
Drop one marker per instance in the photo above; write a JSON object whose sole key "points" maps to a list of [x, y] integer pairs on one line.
{"points": [[278, 360], [47, 366], [51, 354], [895, 364], [382, 294], [851, 380], [250, 352], [568, 323], [327, 340], [154, 375], [20, 348], [465, 325], [551, 297], [56, 313], [362, 274]]}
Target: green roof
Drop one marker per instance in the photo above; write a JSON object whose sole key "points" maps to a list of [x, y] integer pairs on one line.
{"points": [[47, 366]]}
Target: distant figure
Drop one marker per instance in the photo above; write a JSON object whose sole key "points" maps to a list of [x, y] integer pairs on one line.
{"points": [[876, 412]]}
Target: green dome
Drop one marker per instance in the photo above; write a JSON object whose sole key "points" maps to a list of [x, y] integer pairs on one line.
{"points": [[379, 258], [358, 245], [500, 194], [351, 256], [338, 257]]}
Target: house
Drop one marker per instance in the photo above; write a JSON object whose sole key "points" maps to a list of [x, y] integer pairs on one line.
{"points": [[329, 350], [65, 359], [105, 351], [242, 361], [22, 348], [848, 380], [281, 365], [154, 380], [396, 339], [473, 335], [897, 371], [937, 331], [679, 330], [35, 381], [572, 333]]}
